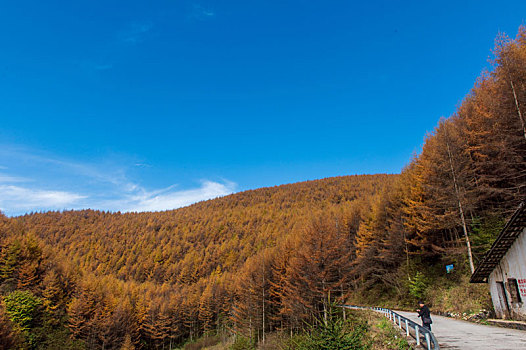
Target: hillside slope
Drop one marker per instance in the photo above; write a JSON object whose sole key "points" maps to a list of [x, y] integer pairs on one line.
{"points": [[188, 243], [164, 276]]}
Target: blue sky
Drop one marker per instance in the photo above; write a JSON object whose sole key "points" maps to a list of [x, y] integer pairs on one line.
{"points": [[152, 105]]}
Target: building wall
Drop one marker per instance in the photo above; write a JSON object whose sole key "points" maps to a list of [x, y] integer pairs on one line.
{"points": [[512, 265]]}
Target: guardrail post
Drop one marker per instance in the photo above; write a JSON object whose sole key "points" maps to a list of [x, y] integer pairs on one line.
{"points": [[400, 322], [428, 341], [417, 335], [406, 328]]}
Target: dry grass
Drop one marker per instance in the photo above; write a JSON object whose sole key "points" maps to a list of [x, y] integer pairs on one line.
{"points": [[382, 334], [462, 298], [208, 342]]}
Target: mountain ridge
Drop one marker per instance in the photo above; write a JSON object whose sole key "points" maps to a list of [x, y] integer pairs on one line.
{"points": [[237, 216]]}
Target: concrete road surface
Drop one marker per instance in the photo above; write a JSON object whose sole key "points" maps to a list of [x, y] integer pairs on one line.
{"points": [[457, 334]]}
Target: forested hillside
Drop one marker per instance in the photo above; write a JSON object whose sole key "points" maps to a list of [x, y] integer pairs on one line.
{"points": [[160, 278], [273, 258]]}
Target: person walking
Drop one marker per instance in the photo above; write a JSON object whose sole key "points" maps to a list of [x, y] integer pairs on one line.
{"points": [[425, 314]]}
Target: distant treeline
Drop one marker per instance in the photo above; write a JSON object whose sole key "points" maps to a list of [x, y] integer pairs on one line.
{"points": [[271, 258]]}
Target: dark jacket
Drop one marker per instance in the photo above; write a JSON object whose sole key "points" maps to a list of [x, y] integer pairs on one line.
{"points": [[425, 314]]}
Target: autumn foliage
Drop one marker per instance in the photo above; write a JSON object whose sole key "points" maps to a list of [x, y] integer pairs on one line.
{"points": [[271, 258]]}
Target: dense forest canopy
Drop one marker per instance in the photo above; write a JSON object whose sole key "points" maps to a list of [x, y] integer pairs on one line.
{"points": [[271, 258]]}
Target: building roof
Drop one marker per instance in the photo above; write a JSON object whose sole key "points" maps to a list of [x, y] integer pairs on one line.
{"points": [[504, 241]]}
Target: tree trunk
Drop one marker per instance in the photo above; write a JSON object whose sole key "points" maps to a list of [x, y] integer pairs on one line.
{"points": [[517, 106], [263, 306], [461, 210]]}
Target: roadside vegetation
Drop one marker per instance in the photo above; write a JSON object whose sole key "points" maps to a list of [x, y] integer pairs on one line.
{"points": [[360, 330]]}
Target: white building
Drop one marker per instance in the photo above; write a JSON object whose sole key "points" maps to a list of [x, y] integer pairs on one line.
{"points": [[504, 268]]}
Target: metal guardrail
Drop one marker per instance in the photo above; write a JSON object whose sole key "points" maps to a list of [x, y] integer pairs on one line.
{"points": [[405, 324]]}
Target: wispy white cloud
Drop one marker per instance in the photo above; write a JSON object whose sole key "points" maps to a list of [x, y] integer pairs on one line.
{"points": [[14, 199], [135, 33], [143, 165], [45, 182], [12, 179], [200, 12], [107, 173], [92, 65], [101, 67], [171, 198]]}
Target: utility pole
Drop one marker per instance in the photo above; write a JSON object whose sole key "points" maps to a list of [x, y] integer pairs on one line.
{"points": [[263, 308]]}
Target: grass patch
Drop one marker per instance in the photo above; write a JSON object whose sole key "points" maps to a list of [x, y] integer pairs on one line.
{"points": [[206, 342], [361, 330], [386, 336], [460, 298], [382, 335]]}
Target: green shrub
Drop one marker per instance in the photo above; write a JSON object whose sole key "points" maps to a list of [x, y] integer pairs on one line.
{"points": [[484, 233], [22, 308], [242, 343], [418, 285], [335, 334]]}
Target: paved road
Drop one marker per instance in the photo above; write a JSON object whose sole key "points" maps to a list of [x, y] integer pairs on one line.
{"points": [[457, 334]]}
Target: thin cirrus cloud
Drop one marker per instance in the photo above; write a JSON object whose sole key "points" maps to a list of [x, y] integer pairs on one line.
{"points": [[199, 12], [11, 179], [103, 67], [51, 183], [170, 198], [135, 33], [17, 199]]}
